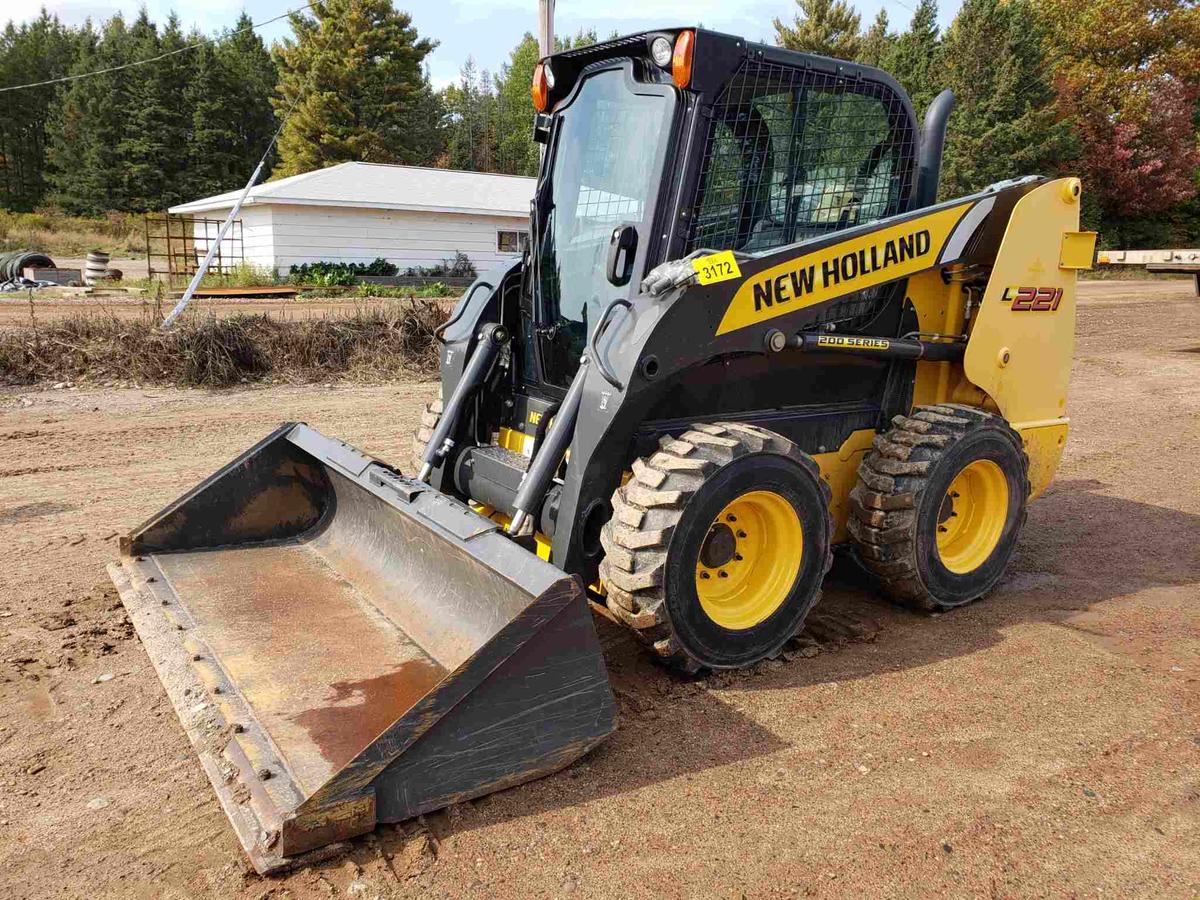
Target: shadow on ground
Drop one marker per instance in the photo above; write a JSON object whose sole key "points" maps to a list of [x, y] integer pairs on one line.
{"points": [[1075, 553]]}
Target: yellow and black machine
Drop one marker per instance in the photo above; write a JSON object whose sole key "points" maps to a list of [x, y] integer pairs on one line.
{"points": [[745, 331]]}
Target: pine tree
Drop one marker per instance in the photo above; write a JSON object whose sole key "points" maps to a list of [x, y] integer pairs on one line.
{"points": [[354, 72], [35, 51], [994, 62], [253, 77], [824, 27], [471, 142], [215, 158], [585, 37], [914, 57], [84, 167], [516, 153], [152, 150], [876, 42]]}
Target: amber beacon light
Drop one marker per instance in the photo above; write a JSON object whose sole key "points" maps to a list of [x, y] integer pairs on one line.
{"points": [[681, 62], [540, 89]]}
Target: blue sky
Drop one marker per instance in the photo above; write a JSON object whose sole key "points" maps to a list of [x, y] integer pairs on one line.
{"points": [[484, 29]]}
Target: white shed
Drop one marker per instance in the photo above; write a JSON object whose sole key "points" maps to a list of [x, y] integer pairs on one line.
{"points": [[357, 212]]}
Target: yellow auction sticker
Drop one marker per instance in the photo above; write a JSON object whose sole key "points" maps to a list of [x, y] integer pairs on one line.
{"points": [[716, 267]]}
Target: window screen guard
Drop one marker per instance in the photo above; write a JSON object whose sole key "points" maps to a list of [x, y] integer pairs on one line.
{"points": [[793, 153]]}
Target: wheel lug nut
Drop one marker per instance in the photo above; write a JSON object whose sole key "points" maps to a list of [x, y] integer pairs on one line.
{"points": [[705, 575], [741, 534], [723, 574], [738, 557], [731, 517]]}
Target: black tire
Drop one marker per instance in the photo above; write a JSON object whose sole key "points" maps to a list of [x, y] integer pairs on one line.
{"points": [[661, 523], [429, 421], [901, 501]]}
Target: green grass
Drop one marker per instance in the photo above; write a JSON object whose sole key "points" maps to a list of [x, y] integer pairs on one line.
{"points": [[436, 289]]}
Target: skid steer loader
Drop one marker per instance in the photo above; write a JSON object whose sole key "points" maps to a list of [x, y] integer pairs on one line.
{"points": [[744, 331]]}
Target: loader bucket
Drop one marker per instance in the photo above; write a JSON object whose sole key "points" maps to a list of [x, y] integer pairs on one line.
{"points": [[345, 646]]}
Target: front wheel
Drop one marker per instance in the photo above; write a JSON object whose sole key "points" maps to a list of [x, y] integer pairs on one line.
{"points": [[939, 505], [423, 434], [718, 545]]}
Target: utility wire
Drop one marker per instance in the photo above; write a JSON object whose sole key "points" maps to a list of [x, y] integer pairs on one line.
{"points": [[141, 62]]}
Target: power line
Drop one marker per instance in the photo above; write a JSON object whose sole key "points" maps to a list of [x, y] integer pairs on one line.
{"points": [[141, 62]]}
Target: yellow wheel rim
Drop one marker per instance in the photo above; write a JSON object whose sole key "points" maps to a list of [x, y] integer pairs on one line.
{"points": [[972, 516], [749, 560]]}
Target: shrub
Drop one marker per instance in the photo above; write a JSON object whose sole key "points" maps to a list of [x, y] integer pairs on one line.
{"points": [[366, 345], [459, 267], [327, 274]]}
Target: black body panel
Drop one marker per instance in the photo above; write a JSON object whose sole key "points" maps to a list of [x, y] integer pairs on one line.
{"points": [[661, 364]]}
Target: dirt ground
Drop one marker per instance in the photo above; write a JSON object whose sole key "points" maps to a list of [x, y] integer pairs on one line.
{"points": [[1045, 742]]}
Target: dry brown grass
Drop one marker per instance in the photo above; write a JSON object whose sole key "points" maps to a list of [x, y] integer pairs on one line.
{"points": [[367, 345], [57, 234]]}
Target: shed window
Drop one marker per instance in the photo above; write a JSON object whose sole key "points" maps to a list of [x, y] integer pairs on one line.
{"points": [[512, 241]]}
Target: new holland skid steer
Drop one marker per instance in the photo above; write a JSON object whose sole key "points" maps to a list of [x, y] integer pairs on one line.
{"points": [[744, 331]]}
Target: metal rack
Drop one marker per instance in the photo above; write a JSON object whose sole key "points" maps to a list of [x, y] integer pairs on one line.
{"points": [[175, 245]]}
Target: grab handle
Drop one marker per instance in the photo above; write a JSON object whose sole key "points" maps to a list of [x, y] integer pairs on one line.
{"points": [[601, 327]]}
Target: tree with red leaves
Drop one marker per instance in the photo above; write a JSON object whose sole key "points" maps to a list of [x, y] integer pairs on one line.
{"points": [[1129, 79]]}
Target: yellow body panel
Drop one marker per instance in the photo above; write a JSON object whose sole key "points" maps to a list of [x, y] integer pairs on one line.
{"points": [[1078, 250], [839, 469], [850, 265], [1044, 442], [516, 441], [1020, 350], [542, 542], [1023, 337]]}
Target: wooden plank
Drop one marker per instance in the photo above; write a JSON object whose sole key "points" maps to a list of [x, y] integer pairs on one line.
{"points": [[273, 290]]}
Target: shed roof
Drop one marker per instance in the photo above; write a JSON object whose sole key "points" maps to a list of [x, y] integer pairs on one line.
{"points": [[379, 186]]}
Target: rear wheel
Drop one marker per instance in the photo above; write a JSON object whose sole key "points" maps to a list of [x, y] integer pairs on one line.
{"points": [[718, 545], [939, 505], [429, 421]]}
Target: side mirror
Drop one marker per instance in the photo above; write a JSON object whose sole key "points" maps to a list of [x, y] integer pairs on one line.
{"points": [[622, 248]]}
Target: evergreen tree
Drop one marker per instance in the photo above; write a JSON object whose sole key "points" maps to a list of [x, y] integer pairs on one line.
{"points": [[876, 42], [429, 115], [36, 51], [153, 148], [232, 121], [914, 59], [516, 152], [354, 72], [994, 62], [585, 37], [252, 79], [470, 104], [824, 27], [216, 161], [84, 166]]}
